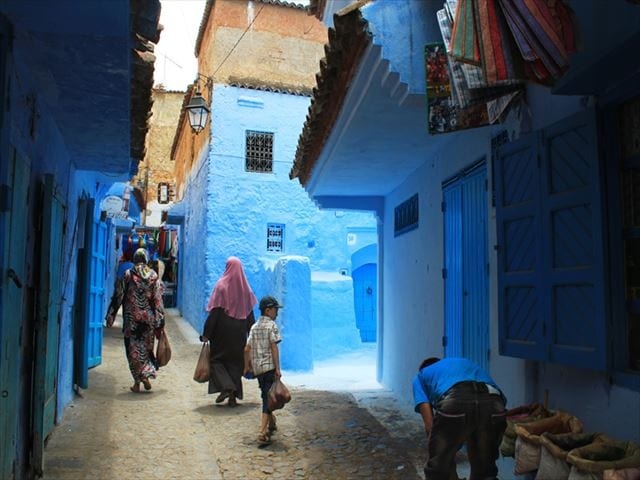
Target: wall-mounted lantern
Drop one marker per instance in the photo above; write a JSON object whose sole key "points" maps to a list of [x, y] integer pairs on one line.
{"points": [[197, 109]]}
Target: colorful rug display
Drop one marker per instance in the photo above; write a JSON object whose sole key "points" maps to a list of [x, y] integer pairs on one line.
{"points": [[513, 40], [491, 48]]}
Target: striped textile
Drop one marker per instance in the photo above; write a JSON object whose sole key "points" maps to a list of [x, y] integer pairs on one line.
{"points": [[464, 46], [544, 34], [500, 61], [468, 84], [511, 40]]}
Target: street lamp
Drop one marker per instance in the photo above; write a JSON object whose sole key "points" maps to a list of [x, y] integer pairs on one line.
{"points": [[197, 108]]}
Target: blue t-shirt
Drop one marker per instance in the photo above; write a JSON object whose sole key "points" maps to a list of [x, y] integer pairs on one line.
{"points": [[433, 381]]}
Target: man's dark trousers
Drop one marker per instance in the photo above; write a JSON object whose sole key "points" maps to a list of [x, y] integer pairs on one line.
{"points": [[466, 413]]}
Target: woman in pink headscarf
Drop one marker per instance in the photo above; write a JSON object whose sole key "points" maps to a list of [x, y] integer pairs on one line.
{"points": [[230, 318]]}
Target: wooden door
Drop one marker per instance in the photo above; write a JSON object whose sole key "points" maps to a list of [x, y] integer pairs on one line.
{"points": [[48, 320], [13, 238]]}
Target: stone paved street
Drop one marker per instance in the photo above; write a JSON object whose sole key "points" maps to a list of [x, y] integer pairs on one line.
{"points": [[176, 431]]}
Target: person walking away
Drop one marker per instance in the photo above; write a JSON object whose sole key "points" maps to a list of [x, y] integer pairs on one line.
{"points": [[230, 318], [459, 403], [143, 315], [262, 359], [124, 264], [158, 267]]}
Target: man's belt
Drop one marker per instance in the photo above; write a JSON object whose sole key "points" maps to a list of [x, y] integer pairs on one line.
{"points": [[478, 387]]}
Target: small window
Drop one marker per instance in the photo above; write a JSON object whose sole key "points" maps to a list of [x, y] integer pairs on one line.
{"points": [[259, 152], [406, 216], [163, 193], [275, 237]]}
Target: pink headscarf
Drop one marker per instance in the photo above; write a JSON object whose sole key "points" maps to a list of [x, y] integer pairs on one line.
{"points": [[232, 291]]}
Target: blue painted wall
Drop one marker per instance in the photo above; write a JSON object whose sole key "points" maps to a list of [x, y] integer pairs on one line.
{"points": [[292, 287], [194, 286], [48, 154], [234, 207], [413, 289], [405, 53], [411, 264]]}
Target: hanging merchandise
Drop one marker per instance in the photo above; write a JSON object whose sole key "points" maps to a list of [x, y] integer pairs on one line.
{"points": [[443, 114], [468, 102], [127, 245], [544, 33], [173, 251], [513, 40], [162, 237]]}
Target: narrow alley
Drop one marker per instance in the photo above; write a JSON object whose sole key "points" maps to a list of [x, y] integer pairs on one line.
{"points": [[176, 431]]}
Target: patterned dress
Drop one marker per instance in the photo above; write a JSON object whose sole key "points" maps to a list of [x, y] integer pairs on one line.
{"points": [[143, 312]]}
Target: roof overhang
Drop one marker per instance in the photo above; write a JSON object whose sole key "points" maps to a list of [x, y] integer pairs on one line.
{"points": [[89, 66], [347, 154]]}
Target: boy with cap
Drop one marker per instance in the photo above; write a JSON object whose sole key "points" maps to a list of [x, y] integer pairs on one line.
{"points": [[262, 358]]}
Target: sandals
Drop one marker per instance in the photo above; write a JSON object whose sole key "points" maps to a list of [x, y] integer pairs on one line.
{"points": [[135, 388], [222, 397], [146, 383], [232, 401], [264, 438], [272, 424]]}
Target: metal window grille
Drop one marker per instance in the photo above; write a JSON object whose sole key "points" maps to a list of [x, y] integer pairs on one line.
{"points": [[275, 237], [406, 216], [259, 152]]}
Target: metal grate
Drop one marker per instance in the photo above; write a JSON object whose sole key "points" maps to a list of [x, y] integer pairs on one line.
{"points": [[259, 152], [275, 237], [406, 216]]}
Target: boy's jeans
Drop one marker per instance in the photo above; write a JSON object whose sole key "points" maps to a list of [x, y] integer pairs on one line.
{"points": [[265, 380]]}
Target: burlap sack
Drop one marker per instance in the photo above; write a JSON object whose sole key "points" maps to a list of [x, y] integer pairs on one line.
{"points": [[522, 414], [553, 453], [591, 461], [528, 438]]}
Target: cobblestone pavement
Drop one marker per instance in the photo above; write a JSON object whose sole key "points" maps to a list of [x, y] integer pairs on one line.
{"points": [[175, 431]]}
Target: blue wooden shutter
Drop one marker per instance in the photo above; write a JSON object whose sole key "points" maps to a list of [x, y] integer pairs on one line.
{"points": [[574, 301], [452, 197], [551, 284], [519, 246]]}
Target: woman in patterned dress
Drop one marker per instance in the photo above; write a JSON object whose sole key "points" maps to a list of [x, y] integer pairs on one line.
{"points": [[143, 318]]}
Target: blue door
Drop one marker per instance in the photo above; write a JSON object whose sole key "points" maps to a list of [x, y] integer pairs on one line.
{"points": [[13, 238], [365, 301], [47, 320], [466, 286], [91, 291], [96, 292]]}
